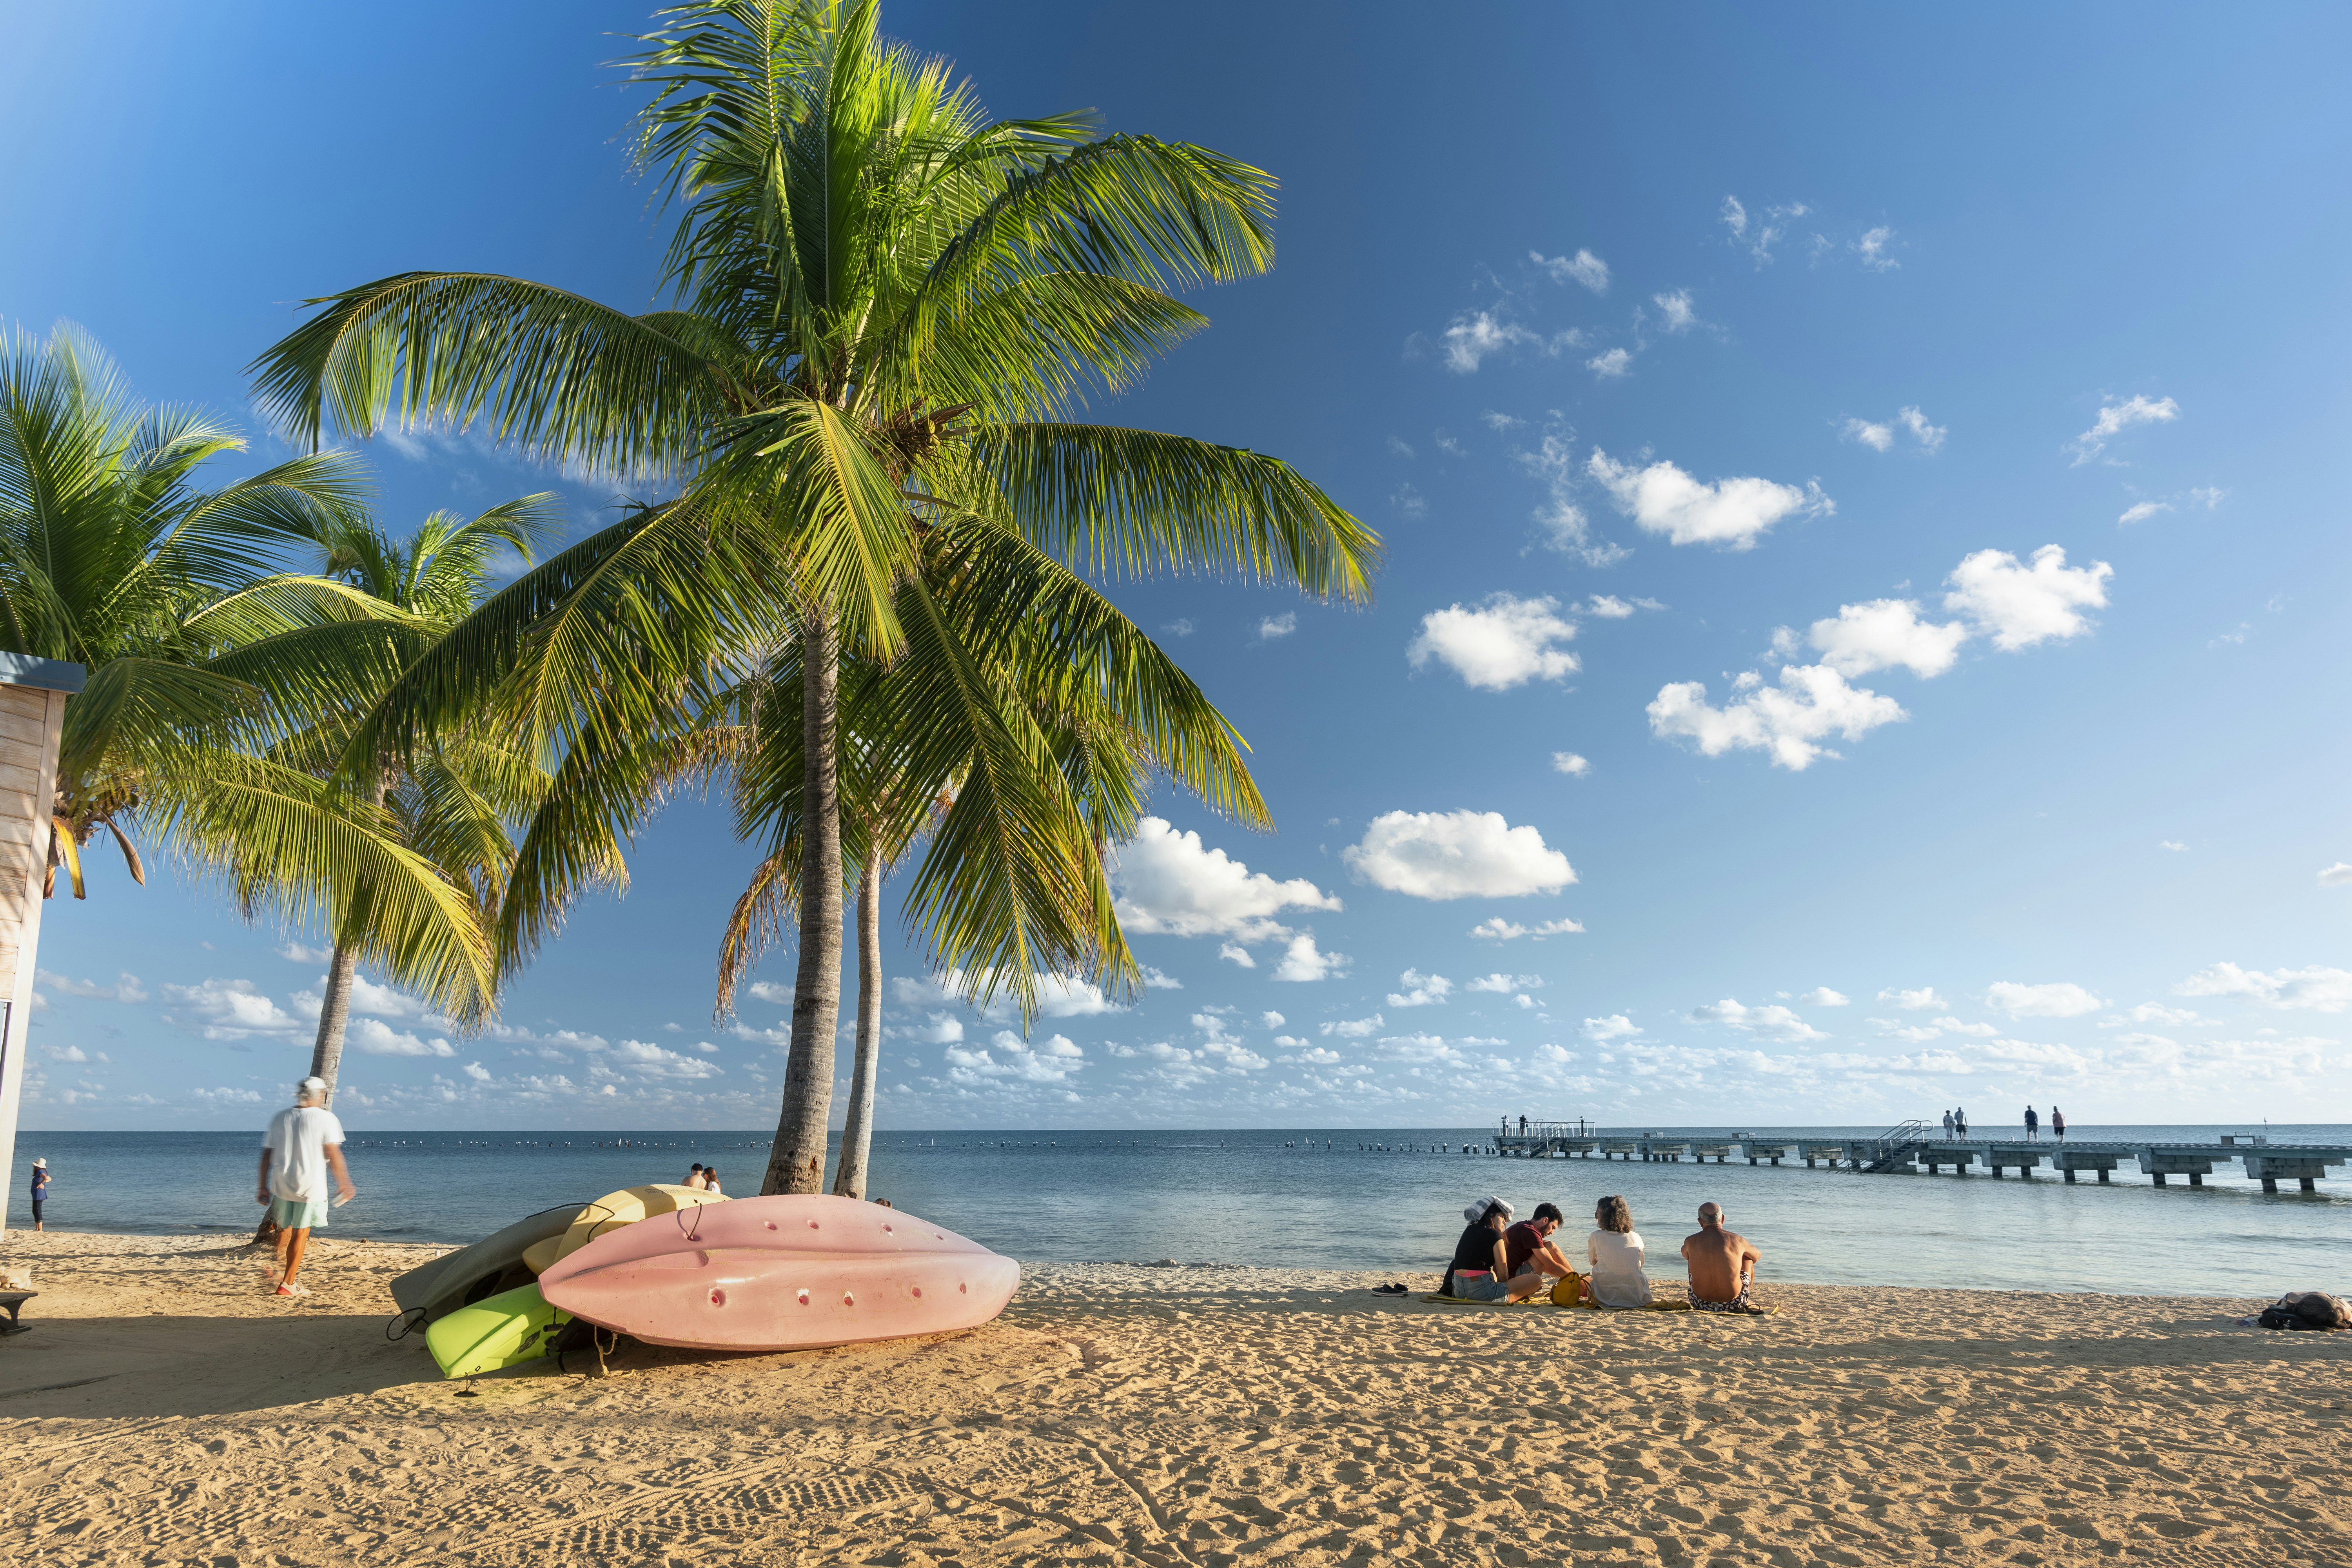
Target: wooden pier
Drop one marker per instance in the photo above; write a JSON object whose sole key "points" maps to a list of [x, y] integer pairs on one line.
{"points": [[1916, 1146]]}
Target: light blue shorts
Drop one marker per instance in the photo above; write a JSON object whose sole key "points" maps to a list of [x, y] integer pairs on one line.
{"points": [[299, 1214]]}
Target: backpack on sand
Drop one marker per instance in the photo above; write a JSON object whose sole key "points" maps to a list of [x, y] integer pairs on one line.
{"points": [[1569, 1291], [2306, 1309]]}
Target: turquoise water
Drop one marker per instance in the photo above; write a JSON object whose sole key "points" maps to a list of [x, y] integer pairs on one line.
{"points": [[1372, 1200]]}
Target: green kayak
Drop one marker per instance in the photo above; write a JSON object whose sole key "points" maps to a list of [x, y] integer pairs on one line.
{"points": [[514, 1326]]}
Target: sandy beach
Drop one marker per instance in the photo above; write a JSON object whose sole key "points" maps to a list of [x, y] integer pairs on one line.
{"points": [[165, 1412]]}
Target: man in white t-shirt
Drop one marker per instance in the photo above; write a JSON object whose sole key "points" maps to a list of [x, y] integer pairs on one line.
{"points": [[304, 1145]]}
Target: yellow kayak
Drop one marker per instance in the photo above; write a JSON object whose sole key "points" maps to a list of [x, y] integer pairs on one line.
{"points": [[612, 1211]]}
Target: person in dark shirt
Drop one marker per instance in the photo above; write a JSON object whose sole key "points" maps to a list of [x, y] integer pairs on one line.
{"points": [[1529, 1245], [1481, 1269]]}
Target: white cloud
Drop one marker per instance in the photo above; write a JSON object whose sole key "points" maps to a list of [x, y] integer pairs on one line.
{"points": [[1500, 423], [2058, 999], [2116, 418], [2172, 844], [1409, 503], [1675, 312], [1812, 702], [374, 1038], [1420, 990], [1280, 625], [1235, 954], [1170, 884], [1571, 763], [1616, 1026], [1302, 960], [940, 1029], [296, 952], [1498, 929], [1506, 983], [1183, 627], [2336, 876], [1914, 1001], [1565, 527], [1771, 1022], [1608, 607], [1506, 642], [1356, 1028], [1456, 855], [2143, 512], [477, 1072], [2319, 989], [1477, 335], [1051, 1060], [1872, 247], [768, 991], [126, 987], [2018, 606], [1733, 513], [1881, 438], [1615, 362], [1058, 996], [1583, 267], [1884, 633], [1766, 234], [1878, 437], [231, 1009], [1822, 996], [1159, 980], [1271, 1019]]}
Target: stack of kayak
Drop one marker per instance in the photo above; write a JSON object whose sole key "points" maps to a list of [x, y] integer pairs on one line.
{"points": [[674, 1265]]}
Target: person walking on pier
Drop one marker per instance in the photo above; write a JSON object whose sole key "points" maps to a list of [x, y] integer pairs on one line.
{"points": [[1948, 1127], [2033, 1126], [1960, 1118], [2058, 1124]]}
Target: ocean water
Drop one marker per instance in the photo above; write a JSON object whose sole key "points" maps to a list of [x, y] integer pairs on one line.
{"points": [[1370, 1200]]}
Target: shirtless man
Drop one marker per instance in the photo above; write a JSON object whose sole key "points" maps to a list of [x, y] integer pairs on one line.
{"points": [[1722, 1264]]}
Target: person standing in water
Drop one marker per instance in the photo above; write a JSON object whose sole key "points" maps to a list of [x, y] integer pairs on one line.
{"points": [[40, 1189], [302, 1145]]}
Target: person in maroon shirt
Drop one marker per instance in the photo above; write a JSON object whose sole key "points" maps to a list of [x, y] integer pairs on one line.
{"points": [[1529, 1244]]}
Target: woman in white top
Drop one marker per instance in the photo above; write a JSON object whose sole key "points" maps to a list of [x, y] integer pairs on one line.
{"points": [[1614, 1251]]}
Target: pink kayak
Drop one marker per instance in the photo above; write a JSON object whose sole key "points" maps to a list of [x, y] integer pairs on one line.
{"points": [[781, 1274]]}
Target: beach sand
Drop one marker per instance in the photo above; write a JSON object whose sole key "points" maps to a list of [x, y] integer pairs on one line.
{"points": [[165, 1412]]}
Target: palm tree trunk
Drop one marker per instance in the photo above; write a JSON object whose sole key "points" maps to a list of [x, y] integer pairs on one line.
{"points": [[797, 1163], [857, 1127], [334, 1013]]}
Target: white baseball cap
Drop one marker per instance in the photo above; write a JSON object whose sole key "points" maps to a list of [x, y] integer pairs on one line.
{"points": [[310, 1085]]}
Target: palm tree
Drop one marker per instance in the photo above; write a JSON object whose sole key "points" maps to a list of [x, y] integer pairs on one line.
{"points": [[202, 656], [452, 798], [1101, 709], [888, 308]]}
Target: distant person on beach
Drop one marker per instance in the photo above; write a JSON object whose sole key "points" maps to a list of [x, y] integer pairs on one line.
{"points": [[2033, 1125], [1722, 1263], [2058, 1124], [1481, 1269], [1614, 1250], [1529, 1245], [697, 1178], [40, 1189], [710, 1180], [302, 1145], [1948, 1127]]}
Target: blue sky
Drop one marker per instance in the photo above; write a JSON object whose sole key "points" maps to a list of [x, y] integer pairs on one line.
{"points": [[1863, 498]]}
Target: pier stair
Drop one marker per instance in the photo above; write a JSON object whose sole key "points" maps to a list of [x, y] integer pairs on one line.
{"points": [[1898, 1145]]}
